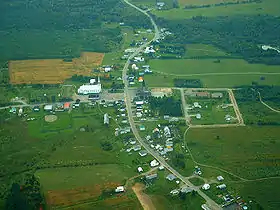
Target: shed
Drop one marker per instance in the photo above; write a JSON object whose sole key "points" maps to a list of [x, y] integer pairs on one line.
{"points": [[198, 116], [220, 178]]}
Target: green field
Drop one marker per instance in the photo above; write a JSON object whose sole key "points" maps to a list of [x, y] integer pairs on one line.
{"points": [[196, 181], [205, 66], [266, 7], [213, 81], [256, 148]]}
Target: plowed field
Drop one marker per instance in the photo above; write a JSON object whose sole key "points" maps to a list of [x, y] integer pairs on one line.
{"points": [[52, 71]]}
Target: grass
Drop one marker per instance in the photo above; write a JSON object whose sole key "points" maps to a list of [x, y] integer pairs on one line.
{"points": [[205, 66], [196, 181], [202, 2], [270, 7], [213, 81], [257, 149]]}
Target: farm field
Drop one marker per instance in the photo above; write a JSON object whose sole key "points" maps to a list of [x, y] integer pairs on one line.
{"points": [[270, 7], [213, 81], [67, 186], [256, 148], [187, 67], [52, 71]]}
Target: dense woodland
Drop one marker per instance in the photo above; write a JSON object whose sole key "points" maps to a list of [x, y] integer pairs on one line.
{"points": [[166, 106], [240, 35], [51, 29]]}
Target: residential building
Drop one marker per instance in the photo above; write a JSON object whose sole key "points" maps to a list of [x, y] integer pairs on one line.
{"points": [[221, 186], [171, 177], [151, 176], [154, 163], [119, 189], [206, 187], [143, 153]]}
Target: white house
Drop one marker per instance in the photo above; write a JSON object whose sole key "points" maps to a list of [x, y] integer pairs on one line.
{"points": [[154, 163], [107, 69], [139, 59], [140, 169], [149, 50], [221, 186], [92, 88], [206, 187], [119, 189]]}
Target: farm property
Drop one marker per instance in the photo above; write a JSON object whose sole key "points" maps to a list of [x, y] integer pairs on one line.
{"points": [[52, 71]]}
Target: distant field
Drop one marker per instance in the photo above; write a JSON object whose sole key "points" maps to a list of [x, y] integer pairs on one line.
{"points": [[204, 66], [265, 7], [52, 71], [250, 152]]}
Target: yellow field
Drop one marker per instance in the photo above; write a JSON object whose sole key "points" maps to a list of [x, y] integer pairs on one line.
{"points": [[203, 2], [52, 71]]}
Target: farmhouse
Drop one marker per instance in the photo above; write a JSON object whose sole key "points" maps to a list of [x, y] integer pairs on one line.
{"points": [[93, 88]]}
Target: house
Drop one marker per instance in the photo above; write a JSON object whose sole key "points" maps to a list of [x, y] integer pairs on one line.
{"points": [[221, 186], [149, 50], [106, 119], [202, 94], [140, 169], [143, 153], [36, 108], [186, 189], [142, 128], [154, 163], [220, 178], [151, 176], [48, 108], [198, 116], [171, 177], [174, 192], [119, 189], [140, 79], [92, 88], [228, 118], [139, 103], [66, 106], [206, 187], [217, 95], [167, 132], [139, 114], [161, 168], [107, 68], [139, 59], [197, 105], [137, 148], [160, 4]]}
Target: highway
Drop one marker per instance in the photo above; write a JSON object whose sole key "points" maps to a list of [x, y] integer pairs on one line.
{"points": [[210, 203]]}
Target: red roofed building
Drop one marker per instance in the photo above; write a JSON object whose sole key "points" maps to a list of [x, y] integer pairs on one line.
{"points": [[66, 105]]}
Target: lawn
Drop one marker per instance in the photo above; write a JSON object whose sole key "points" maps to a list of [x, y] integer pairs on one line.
{"points": [[213, 81], [202, 67], [196, 181], [250, 152], [270, 7]]}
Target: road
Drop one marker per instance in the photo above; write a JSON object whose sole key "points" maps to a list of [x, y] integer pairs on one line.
{"points": [[212, 204], [272, 109]]}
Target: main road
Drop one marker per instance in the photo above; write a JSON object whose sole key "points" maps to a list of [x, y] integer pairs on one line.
{"points": [[211, 204]]}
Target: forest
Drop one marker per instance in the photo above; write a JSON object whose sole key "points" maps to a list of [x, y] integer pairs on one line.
{"points": [[166, 106], [240, 35], [62, 29]]}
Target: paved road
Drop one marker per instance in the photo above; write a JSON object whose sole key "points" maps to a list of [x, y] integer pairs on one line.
{"points": [[210, 202]]}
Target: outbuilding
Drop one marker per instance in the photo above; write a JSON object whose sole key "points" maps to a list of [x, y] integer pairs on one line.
{"points": [[48, 108]]}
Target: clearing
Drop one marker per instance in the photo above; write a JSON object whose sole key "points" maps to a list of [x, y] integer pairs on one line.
{"points": [[52, 71], [144, 199]]}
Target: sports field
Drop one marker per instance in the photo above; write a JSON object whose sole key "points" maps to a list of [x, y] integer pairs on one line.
{"points": [[270, 7], [52, 71]]}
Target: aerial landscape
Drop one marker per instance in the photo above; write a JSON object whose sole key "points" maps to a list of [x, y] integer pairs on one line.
{"points": [[140, 104]]}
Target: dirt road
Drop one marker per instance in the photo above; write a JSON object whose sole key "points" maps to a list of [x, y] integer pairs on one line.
{"points": [[144, 199]]}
